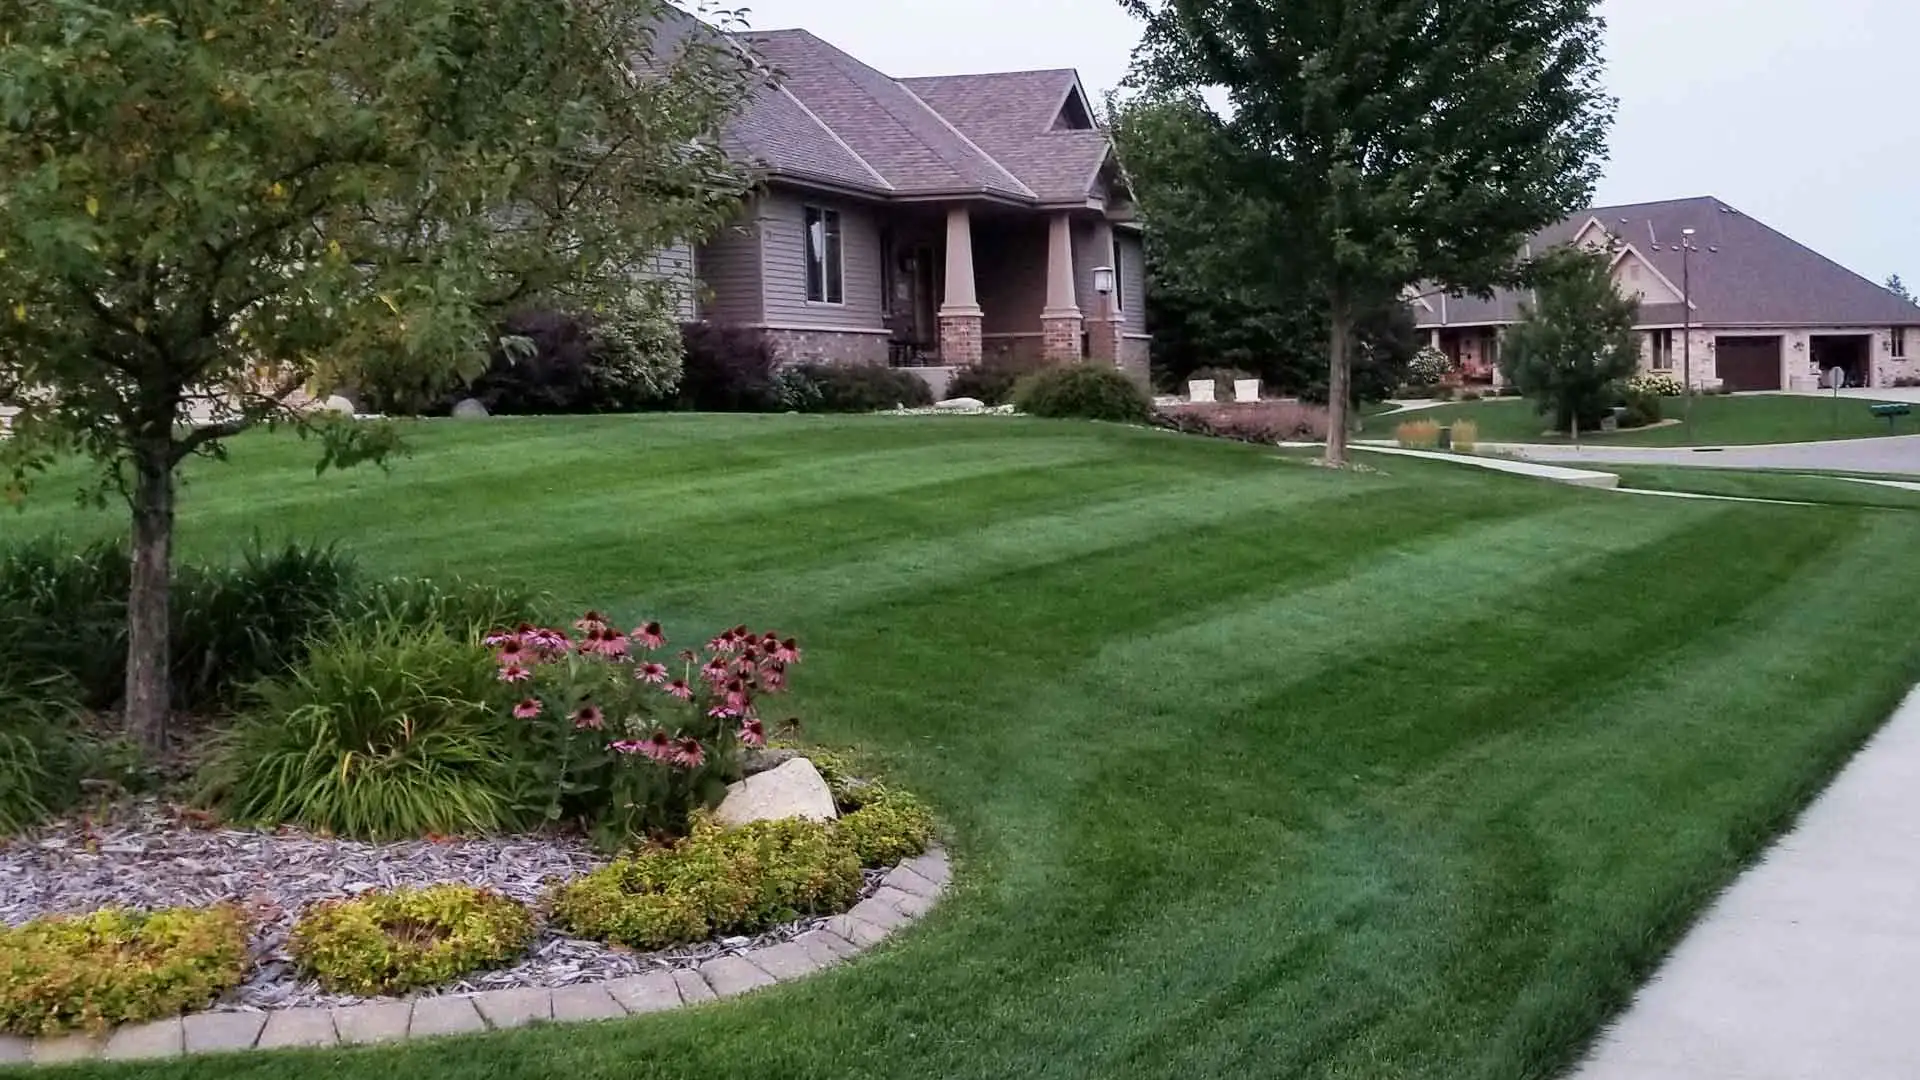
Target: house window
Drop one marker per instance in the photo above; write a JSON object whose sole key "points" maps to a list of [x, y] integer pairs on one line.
{"points": [[826, 273], [1897, 342], [1662, 349]]}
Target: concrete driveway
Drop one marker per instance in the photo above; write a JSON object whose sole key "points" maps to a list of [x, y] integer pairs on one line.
{"points": [[1900, 454]]}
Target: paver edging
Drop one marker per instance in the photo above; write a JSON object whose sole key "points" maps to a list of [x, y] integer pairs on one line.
{"points": [[907, 892]]}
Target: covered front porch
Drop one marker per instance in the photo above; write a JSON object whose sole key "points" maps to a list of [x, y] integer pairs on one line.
{"points": [[967, 283], [1473, 350]]}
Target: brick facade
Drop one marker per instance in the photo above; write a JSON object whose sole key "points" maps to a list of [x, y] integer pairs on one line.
{"points": [[960, 340], [1104, 341], [828, 346], [1135, 351], [1060, 338]]}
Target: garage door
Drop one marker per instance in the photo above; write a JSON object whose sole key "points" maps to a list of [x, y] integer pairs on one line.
{"points": [[1748, 363]]}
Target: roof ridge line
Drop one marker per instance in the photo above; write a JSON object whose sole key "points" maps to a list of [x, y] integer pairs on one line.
{"points": [[1019, 185], [835, 136]]}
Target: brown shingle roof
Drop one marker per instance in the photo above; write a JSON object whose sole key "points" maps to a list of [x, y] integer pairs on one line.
{"points": [[1010, 115], [1743, 273], [884, 123]]}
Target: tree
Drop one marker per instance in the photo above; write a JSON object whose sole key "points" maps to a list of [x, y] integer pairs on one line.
{"points": [[1574, 344], [211, 205], [1899, 289], [1373, 144]]}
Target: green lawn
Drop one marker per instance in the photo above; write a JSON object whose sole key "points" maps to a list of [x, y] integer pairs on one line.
{"points": [[1764, 484], [1252, 768], [1739, 420]]}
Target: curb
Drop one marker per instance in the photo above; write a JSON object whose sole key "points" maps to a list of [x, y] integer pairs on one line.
{"points": [[908, 892]]}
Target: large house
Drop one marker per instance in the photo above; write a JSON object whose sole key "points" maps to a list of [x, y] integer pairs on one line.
{"points": [[1766, 313], [927, 222]]}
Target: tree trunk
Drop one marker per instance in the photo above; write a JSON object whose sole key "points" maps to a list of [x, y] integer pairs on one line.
{"points": [[149, 648], [1338, 360]]}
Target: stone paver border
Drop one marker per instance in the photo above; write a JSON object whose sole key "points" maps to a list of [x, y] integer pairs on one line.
{"points": [[908, 892]]}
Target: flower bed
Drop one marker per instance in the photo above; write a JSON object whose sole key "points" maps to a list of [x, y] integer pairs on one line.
{"points": [[117, 965], [1263, 422], [386, 942]]}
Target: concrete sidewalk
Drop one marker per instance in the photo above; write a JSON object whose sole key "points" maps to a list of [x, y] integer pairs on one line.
{"points": [[1899, 454], [1808, 968]]}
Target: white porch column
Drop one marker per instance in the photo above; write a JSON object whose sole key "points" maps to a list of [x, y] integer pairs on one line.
{"points": [[1060, 320], [960, 316]]}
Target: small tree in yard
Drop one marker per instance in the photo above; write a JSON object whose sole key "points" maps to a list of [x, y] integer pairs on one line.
{"points": [[1370, 144], [228, 201], [1574, 344]]}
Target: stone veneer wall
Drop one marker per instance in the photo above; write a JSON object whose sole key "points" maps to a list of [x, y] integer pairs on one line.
{"points": [[829, 346]]}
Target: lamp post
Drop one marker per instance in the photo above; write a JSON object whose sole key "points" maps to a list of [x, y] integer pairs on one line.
{"points": [[1686, 328], [1103, 284]]}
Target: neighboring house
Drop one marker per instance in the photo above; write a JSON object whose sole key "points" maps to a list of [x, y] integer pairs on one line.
{"points": [[1767, 313], [926, 222]]}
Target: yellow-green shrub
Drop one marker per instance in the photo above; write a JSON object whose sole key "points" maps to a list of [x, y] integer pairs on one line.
{"points": [[1466, 434], [888, 826], [384, 942], [714, 881], [1418, 434], [117, 966]]}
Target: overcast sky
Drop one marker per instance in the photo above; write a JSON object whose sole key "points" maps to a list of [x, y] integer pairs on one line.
{"points": [[1804, 114]]}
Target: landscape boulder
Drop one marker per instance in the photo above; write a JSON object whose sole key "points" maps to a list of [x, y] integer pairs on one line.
{"points": [[792, 790], [957, 404], [469, 409]]}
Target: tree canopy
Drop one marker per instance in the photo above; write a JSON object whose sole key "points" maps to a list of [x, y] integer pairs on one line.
{"points": [[1899, 289], [1574, 343], [209, 206], [1365, 145]]}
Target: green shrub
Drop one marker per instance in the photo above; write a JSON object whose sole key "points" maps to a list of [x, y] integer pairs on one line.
{"points": [[887, 826], [848, 388], [990, 382], [1656, 383], [117, 966], [387, 730], [43, 756], [230, 624], [1083, 391], [728, 369], [389, 942], [1470, 395], [1442, 392], [1642, 407], [1429, 367], [716, 881]]}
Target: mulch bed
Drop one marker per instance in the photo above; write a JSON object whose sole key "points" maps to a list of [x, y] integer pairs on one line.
{"points": [[150, 855]]}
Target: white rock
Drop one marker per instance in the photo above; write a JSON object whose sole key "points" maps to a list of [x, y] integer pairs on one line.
{"points": [[469, 409], [960, 403], [795, 789], [337, 404]]}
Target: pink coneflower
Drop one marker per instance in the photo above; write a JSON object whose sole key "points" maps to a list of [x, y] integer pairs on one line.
{"points": [[787, 652], [753, 733], [515, 673], [527, 709], [688, 656], [514, 651], [722, 711], [589, 716], [688, 753], [725, 643], [679, 688], [715, 670], [613, 644], [649, 635], [546, 640], [651, 673], [745, 666], [751, 652], [741, 703], [592, 620], [627, 746], [658, 746], [773, 678], [500, 637]]}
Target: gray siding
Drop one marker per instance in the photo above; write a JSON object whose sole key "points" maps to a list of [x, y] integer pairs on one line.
{"points": [[675, 265], [729, 267], [783, 252], [1133, 268]]}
